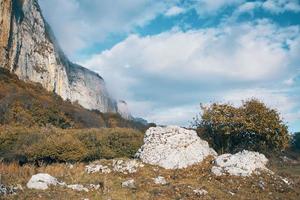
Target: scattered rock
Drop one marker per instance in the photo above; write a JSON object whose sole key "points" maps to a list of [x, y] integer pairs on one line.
{"points": [[71, 166], [200, 192], [126, 166], [7, 190], [94, 187], [42, 181], [160, 180], [286, 181], [288, 160], [78, 187], [173, 147], [261, 185], [240, 164], [129, 184], [93, 168]]}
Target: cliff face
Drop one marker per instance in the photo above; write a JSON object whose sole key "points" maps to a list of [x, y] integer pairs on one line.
{"points": [[28, 48]]}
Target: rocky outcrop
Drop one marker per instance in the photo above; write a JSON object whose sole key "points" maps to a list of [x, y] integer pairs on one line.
{"points": [[173, 147], [29, 49], [244, 163]]}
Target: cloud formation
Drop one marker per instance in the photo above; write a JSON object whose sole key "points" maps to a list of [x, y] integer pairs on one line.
{"points": [[80, 23], [237, 56], [170, 55]]}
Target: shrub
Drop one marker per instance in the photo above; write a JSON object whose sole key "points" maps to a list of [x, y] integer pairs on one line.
{"points": [[252, 126], [60, 145], [296, 141]]}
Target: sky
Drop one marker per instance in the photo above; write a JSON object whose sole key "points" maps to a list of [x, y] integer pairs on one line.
{"points": [[166, 57]]}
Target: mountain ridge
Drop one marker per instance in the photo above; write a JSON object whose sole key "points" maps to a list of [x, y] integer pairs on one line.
{"points": [[28, 48]]}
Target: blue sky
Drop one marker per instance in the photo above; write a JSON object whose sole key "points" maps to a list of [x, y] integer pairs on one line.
{"points": [[165, 57]]}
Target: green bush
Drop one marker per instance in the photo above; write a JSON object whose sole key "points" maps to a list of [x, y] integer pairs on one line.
{"points": [[252, 126], [60, 145]]}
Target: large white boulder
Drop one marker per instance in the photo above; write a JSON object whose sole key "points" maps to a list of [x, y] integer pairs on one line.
{"points": [[240, 164], [173, 147], [42, 181]]}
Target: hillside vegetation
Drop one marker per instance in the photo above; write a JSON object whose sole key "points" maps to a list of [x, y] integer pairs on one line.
{"points": [[29, 104], [48, 145]]}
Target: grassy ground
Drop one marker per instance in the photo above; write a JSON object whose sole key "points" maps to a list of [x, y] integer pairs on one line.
{"points": [[181, 183]]}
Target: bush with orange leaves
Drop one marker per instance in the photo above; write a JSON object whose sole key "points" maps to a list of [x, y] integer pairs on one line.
{"points": [[252, 126]]}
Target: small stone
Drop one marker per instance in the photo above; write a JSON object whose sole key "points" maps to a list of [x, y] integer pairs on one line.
{"points": [[160, 180], [126, 166], [94, 187], [129, 184], [5, 190], [93, 168], [200, 192], [261, 185], [78, 187]]}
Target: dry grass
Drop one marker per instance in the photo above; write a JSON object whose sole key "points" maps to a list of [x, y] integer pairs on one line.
{"points": [[180, 183]]}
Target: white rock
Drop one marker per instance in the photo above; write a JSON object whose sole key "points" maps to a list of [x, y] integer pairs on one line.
{"points": [[93, 168], [160, 180], [7, 190], [42, 181], [78, 187], [94, 187], [240, 164], [126, 166], [173, 147], [129, 184], [200, 192]]}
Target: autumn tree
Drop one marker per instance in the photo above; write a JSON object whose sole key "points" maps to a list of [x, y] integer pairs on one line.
{"points": [[252, 126]]}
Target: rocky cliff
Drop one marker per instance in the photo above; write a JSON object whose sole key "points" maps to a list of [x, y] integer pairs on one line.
{"points": [[28, 48]]}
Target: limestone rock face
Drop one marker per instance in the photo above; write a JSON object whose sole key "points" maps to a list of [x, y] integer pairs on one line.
{"points": [[240, 164], [173, 147], [29, 49]]}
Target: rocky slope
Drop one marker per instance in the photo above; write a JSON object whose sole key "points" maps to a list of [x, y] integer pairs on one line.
{"points": [[28, 48]]}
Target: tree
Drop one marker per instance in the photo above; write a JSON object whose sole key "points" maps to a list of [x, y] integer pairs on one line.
{"points": [[251, 126]]}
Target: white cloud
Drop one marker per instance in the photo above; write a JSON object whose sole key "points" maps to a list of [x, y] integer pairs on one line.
{"points": [[273, 6], [209, 7], [245, 52], [181, 115], [78, 24], [280, 6], [175, 69], [175, 10]]}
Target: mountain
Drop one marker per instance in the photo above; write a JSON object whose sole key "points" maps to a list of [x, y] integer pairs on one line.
{"points": [[28, 48], [28, 104]]}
